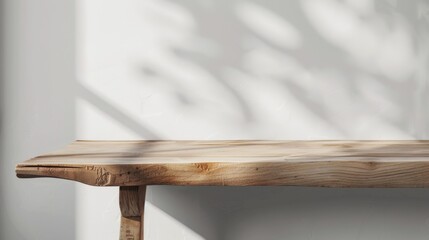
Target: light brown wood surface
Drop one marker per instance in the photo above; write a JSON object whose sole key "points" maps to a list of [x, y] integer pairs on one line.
{"points": [[237, 163], [131, 203]]}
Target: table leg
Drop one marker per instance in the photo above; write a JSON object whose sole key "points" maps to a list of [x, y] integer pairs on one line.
{"points": [[131, 202]]}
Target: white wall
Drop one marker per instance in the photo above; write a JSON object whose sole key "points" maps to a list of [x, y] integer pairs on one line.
{"points": [[187, 69], [38, 78]]}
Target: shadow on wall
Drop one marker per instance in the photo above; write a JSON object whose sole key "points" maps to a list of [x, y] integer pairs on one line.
{"points": [[320, 213], [115, 113], [2, 76], [322, 63], [2, 101], [37, 115], [355, 69]]}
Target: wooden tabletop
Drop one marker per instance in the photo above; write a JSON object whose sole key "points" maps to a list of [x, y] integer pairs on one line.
{"points": [[237, 163]]}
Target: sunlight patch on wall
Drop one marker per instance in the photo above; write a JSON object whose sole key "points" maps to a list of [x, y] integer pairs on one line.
{"points": [[269, 25], [93, 124], [380, 45]]}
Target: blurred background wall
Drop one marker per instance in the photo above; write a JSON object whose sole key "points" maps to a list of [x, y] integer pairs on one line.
{"points": [[37, 115], [212, 69]]}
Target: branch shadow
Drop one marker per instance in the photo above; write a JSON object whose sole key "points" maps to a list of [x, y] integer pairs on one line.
{"points": [[338, 66]]}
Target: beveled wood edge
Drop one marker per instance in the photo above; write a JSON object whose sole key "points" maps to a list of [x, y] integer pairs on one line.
{"points": [[357, 174]]}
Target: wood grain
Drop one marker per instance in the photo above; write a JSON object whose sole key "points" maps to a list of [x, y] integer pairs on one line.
{"points": [[237, 163], [131, 202]]}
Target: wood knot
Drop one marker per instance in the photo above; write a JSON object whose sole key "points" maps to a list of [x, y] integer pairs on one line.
{"points": [[204, 167], [372, 165], [103, 176]]}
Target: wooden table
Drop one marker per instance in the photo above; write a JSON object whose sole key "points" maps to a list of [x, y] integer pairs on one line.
{"points": [[132, 165]]}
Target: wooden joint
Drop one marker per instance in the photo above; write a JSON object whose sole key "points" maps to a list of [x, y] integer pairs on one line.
{"points": [[131, 203], [131, 200]]}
